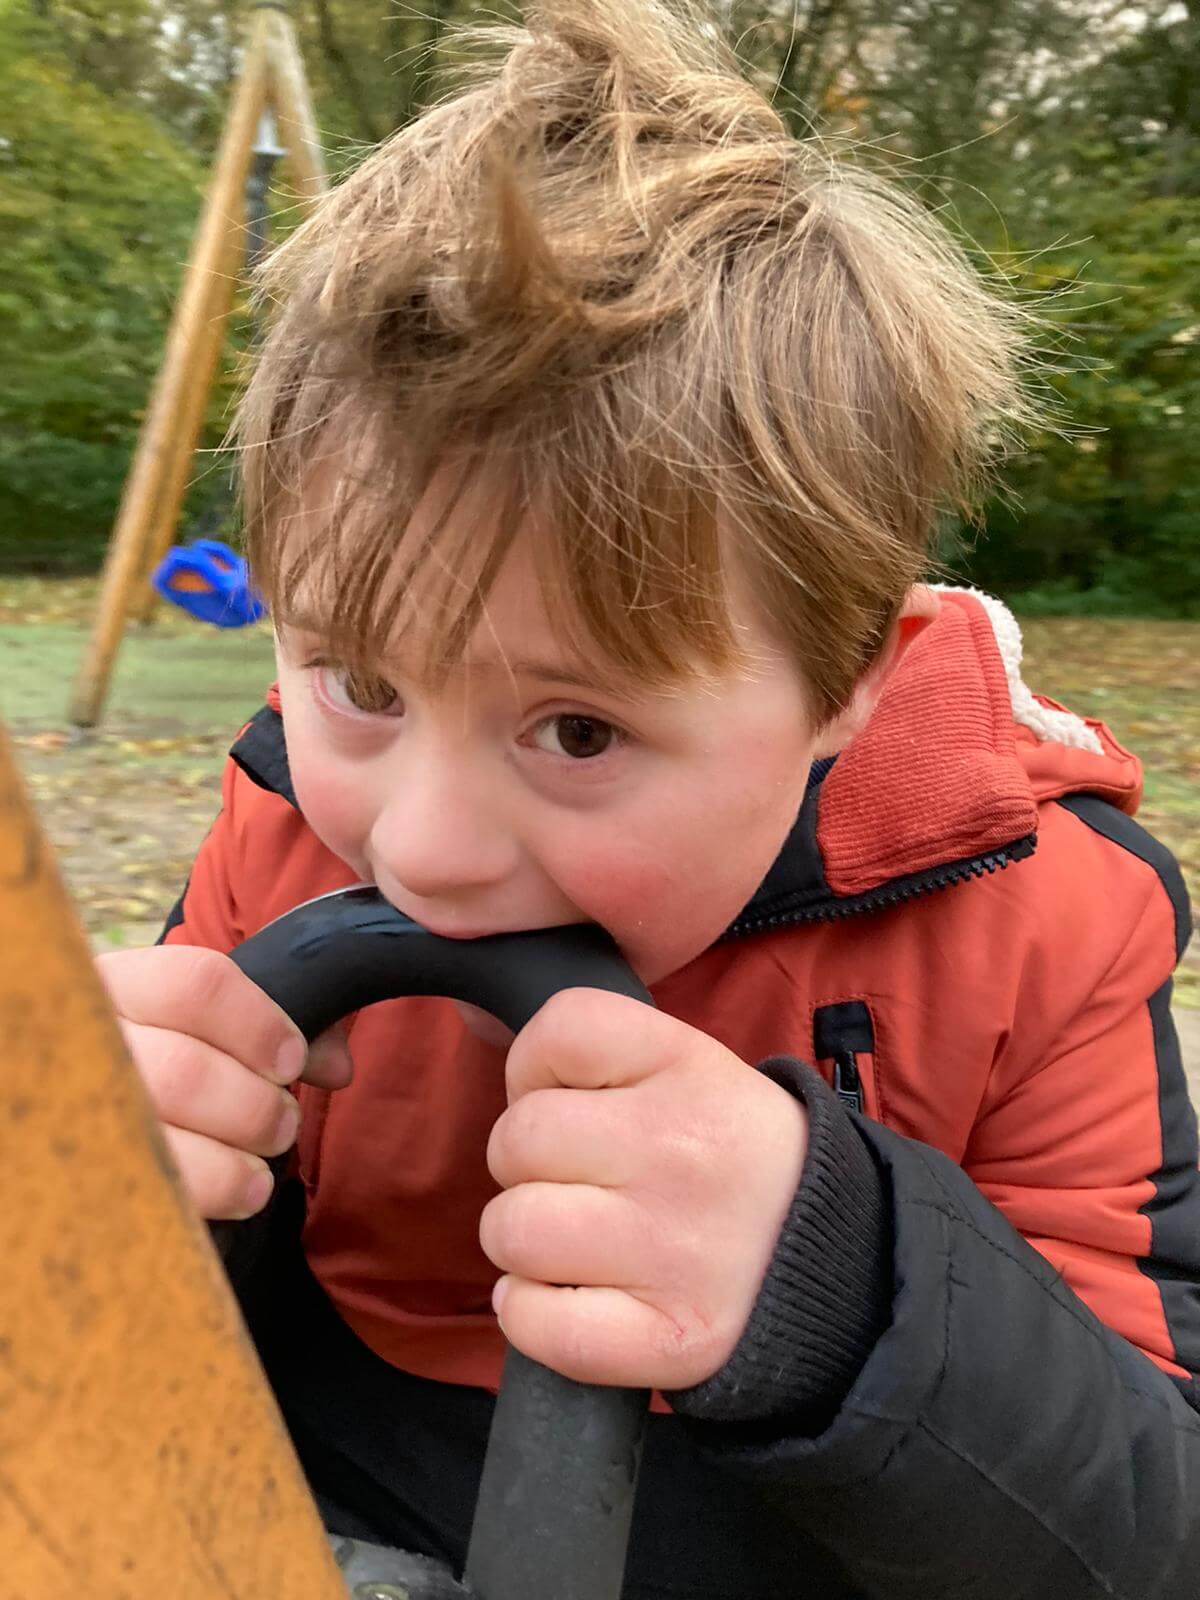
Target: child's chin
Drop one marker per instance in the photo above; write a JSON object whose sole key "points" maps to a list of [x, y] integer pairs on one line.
{"points": [[484, 1025]]}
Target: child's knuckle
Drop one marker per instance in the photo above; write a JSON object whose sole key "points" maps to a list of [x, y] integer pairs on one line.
{"points": [[523, 1126], [575, 1340], [686, 1345], [208, 979], [178, 1074], [558, 1019], [495, 1233], [514, 1225], [109, 964]]}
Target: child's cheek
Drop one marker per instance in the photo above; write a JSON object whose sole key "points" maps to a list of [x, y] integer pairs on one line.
{"points": [[619, 894], [644, 905], [337, 811], [668, 882]]}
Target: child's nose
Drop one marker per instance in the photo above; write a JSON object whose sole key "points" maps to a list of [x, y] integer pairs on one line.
{"points": [[440, 834]]}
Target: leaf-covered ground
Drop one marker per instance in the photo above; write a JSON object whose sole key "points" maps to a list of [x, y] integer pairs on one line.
{"points": [[1143, 679], [127, 808]]}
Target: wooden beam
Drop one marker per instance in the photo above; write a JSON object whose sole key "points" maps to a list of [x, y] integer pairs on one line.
{"points": [[289, 98], [141, 1454], [177, 473], [287, 88], [169, 404]]}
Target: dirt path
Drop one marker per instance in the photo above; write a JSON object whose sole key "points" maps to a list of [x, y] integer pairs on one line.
{"points": [[127, 807]]}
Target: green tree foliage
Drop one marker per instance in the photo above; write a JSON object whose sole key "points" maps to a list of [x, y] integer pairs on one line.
{"points": [[1107, 518], [173, 58], [1060, 137], [97, 205]]}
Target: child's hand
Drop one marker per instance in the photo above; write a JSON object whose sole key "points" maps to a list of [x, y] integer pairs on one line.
{"points": [[214, 1054], [647, 1164]]}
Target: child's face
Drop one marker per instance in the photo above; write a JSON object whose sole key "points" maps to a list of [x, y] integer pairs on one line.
{"points": [[522, 796]]}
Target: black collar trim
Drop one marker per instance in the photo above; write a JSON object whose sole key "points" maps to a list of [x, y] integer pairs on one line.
{"points": [[261, 752]]}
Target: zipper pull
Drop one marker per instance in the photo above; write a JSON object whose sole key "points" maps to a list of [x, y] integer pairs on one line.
{"points": [[847, 1084]]}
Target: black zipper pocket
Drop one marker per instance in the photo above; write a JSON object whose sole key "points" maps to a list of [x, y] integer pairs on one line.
{"points": [[842, 1033]]}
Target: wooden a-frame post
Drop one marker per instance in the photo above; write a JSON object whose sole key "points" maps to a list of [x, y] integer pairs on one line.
{"points": [[272, 76], [141, 1451]]}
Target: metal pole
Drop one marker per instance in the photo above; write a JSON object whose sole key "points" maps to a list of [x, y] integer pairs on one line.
{"points": [[267, 151]]}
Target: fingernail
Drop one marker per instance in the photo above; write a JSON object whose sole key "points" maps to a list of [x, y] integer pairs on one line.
{"points": [[499, 1296], [290, 1061], [288, 1125], [258, 1190]]}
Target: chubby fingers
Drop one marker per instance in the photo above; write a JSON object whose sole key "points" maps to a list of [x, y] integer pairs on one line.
{"points": [[578, 1294], [202, 993], [568, 1233], [591, 1039], [222, 1184], [198, 1088], [563, 1136], [603, 1335], [584, 1290]]}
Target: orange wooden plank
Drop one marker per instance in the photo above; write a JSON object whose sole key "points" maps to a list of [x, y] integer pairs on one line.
{"points": [[141, 1454]]}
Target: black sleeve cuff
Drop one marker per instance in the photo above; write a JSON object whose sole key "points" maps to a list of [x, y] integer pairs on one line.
{"points": [[827, 1294]]}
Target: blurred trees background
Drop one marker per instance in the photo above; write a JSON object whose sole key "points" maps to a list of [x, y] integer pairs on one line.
{"points": [[1061, 138]]}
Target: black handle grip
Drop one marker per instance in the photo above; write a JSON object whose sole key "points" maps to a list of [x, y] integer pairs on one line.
{"points": [[352, 948], [556, 1497]]}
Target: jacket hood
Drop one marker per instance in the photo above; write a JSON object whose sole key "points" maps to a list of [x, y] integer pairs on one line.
{"points": [[945, 780], [943, 783]]}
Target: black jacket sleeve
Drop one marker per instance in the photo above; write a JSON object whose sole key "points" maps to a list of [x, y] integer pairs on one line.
{"points": [[968, 1427]]}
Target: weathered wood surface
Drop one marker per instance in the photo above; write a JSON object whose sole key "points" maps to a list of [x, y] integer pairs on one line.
{"points": [[141, 1454]]}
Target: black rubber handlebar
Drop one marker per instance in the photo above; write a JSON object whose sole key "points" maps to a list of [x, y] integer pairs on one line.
{"points": [[556, 1497]]}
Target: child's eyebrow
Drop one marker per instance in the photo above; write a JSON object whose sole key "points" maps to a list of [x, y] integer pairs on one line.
{"points": [[577, 675], [307, 637]]}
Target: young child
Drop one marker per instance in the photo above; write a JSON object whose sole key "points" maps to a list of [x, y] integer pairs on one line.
{"points": [[591, 466]]}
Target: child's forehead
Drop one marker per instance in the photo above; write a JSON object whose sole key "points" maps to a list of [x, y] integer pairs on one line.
{"points": [[467, 535], [520, 633], [493, 658]]}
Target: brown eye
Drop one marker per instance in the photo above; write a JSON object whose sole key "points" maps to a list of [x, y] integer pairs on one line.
{"points": [[369, 694], [356, 691], [577, 737]]}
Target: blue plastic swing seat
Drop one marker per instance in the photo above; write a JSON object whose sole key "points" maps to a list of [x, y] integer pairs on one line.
{"points": [[210, 581]]}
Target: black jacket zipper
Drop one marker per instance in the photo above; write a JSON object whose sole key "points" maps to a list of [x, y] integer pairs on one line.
{"points": [[782, 914], [841, 1033], [847, 1084]]}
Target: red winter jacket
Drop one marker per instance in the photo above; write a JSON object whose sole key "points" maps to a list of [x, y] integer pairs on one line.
{"points": [[973, 942]]}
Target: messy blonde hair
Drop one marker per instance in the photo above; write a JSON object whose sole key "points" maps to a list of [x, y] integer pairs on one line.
{"points": [[692, 344]]}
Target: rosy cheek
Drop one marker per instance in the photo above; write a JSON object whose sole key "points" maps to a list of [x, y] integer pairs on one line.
{"points": [[618, 891], [650, 906], [669, 881]]}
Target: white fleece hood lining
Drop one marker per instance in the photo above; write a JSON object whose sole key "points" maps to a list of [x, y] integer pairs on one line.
{"points": [[1047, 725]]}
